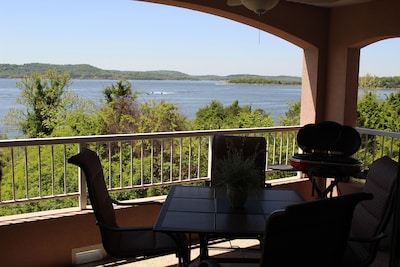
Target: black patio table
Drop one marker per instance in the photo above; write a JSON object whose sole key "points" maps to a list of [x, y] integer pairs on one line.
{"points": [[206, 210]]}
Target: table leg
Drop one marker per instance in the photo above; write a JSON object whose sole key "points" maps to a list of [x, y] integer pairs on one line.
{"points": [[203, 246]]}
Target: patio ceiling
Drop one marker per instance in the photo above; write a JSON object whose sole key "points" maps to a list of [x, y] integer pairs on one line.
{"points": [[331, 34], [330, 3]]}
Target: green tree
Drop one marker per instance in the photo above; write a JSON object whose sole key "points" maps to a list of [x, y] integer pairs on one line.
{"points": [[44, 98], [161, 117], [216, 116], [80, 118], [391, 109], [368, 82], [250, 119], [210, 117], [374, 113], [370, 111], [292, 116], [121, 112]]}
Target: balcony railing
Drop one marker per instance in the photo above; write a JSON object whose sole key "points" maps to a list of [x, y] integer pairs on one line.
{"points": [[36, 170]]}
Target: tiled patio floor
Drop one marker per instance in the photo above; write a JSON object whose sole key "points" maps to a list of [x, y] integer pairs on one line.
{"points": [[219, 250], [172, 260]]}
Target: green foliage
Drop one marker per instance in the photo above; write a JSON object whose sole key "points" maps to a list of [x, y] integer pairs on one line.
{"points": [[84, 71], [373, 82], [377, 114], [392, 112], [33, 180], [210, 117], [390, 82], [44, 98], [63, 114], [216, 116], [368, 82], [161, 117], [81, 118], [238, 171], [292, 116], [370, 112], [262, 80], [121, 112]]}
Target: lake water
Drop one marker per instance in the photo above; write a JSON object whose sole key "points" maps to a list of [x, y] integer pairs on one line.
{"points": [[188, 96]]}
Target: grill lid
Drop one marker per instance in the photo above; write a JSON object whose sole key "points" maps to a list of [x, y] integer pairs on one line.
{"points": [[329, 138]]}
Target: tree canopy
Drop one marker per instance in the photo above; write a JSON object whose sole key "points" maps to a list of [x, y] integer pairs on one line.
{"points": [[216, 116], [44, 97]]}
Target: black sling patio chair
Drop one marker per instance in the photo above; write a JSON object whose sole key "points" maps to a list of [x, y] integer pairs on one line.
{"points": [[311, 234], [371, 218], [122, 242]]}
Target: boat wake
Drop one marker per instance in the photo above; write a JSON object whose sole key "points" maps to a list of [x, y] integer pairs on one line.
{"points": [[161, 93]]}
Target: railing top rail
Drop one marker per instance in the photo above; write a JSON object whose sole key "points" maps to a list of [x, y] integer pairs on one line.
{"points": [[163, 135], [139, 136], [378, 132]]}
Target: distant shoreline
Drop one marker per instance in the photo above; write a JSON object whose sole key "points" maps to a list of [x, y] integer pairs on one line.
{"points": [[88, 72], [220, 81]]}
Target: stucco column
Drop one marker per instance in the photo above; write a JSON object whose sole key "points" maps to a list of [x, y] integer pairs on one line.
{"points": [[313, 86], [342, 85], [330, 83]]}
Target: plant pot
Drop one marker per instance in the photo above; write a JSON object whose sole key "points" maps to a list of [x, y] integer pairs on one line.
{"points": [[237, 195]]}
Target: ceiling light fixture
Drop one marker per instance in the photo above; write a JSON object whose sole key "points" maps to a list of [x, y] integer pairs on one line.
{"points": [[258, 6]]}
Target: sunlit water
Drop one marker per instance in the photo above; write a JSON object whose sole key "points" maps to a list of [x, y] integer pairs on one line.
{"points": [[188, 96]]}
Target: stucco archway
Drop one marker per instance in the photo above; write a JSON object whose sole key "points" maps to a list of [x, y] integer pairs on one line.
{"points": [[331, 39]]}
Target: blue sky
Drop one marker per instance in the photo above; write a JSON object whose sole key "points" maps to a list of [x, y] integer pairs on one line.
{"points": [[137, 36]]}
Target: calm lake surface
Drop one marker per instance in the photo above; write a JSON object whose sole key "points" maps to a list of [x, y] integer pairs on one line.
{"points": [[188, 96]]}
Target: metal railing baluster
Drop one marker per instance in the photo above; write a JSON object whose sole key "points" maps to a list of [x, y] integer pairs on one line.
{"points": [[21, 183]]}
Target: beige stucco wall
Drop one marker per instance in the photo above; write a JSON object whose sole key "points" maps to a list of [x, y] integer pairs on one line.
{"points": [[50, 238]]}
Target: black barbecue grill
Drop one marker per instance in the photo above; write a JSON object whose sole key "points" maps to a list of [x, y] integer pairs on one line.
{"points": [[327, 149]]}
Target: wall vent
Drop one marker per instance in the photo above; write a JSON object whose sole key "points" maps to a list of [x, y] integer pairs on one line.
{"points": [[88, 254]]}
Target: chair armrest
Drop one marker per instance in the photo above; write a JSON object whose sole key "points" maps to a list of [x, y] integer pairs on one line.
{"points": [[368, 240], [122, 229], [135, 203]]}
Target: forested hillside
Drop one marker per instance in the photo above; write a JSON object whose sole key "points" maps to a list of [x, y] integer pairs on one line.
{"points": [[83, 71]]}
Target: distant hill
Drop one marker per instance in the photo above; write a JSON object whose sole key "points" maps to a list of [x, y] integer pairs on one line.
{"points": [[84, 71]]}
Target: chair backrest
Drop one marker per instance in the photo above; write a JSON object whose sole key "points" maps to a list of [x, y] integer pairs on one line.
{"points": [[371, 217], [313, 233], [250, 146], [100, 200]]}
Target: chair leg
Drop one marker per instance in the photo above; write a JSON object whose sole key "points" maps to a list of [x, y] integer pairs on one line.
{"points": [[183, 252]]}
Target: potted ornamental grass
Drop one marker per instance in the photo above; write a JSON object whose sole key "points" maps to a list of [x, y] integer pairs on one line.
{"points": [[239, 174]]}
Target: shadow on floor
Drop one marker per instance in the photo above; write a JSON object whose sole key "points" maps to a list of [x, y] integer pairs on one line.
{"points": [[234, 249]]}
